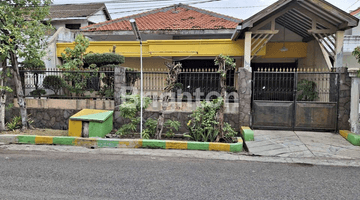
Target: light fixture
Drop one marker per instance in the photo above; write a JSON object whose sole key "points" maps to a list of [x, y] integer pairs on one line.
{"points": [[284, 49], [138, 38], [135, 29]]}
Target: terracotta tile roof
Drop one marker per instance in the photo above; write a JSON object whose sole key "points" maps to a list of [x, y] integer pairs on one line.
{"points": [[75, 10], [355, 12], [176, 17]]}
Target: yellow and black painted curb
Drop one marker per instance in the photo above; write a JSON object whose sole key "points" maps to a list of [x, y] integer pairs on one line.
{"points": [[121, 143]]}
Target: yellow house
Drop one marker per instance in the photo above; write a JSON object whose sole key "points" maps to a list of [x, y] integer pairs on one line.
{"points": [[289, 34], [186, 34]]}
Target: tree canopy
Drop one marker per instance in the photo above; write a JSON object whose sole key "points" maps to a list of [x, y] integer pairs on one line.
{"points": [[23, 28], [22, 37]]}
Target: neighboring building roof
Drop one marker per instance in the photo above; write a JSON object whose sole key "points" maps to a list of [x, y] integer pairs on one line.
{"points": [[175, 17], [63, 11], [355, 12]]}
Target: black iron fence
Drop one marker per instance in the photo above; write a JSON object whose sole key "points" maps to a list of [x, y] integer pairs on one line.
{"points": [[79, 84], [192, 84], [300, 84], [295, 99]]}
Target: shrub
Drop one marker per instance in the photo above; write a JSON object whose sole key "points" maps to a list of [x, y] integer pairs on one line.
{"points": [[74, 60], [16, 122], [307, 91], [203, 125], [172, 125], [34, 64], [131, 110], [109, 59], [54, 83], [150, 130], [38, 92]]}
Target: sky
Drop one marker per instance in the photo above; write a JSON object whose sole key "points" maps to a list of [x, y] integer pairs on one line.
{"points": [[241, 9]]}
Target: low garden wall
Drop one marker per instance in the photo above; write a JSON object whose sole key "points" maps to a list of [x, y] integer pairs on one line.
{"points": [[55, 113]]}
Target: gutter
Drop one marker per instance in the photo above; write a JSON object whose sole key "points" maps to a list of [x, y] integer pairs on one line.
{"points": [[236, 34], [68, 18]]}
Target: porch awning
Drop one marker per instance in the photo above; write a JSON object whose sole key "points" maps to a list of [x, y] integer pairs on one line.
{"points": [[303, 17]]}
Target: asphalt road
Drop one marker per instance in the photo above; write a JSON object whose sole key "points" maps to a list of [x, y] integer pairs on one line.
{"points": [[49, 175]]}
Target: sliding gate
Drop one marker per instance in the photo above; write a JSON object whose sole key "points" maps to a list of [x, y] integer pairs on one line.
{"points": [[295, 100]]}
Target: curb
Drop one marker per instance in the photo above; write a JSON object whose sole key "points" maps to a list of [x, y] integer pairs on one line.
{"points": [[121, 143], [247, 133], [351, 137]]}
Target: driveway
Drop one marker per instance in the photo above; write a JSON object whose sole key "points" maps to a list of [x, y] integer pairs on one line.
{"points": [[302, 144]]}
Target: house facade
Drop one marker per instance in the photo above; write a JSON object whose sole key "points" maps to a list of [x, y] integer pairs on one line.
{"points": [[280, 43]]}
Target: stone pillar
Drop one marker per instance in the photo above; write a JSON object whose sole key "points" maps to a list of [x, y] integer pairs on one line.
{"points": [[119, 85], [119, 91], [344, 99], [354, 109], [244, 85]]}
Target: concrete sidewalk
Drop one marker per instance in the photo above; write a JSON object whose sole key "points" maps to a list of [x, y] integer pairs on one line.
{"points": [[300, 144]]}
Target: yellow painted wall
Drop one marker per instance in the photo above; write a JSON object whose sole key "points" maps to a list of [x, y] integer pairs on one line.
{"points": [[148, 63], [193, 48], [170, 48], [295, 50]]}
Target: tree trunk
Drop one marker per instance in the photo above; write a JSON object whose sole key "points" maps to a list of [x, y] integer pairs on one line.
{"points": [[222, 109], [161, 120], [19, 91], [2, 107], [2, 98]]}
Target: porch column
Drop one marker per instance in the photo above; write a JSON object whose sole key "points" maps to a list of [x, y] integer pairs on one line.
{"points": [[247, 51], [354, 109], [339, 50]]}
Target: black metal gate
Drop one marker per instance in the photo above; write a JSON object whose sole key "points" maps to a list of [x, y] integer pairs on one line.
{"points": [[295, 100]]}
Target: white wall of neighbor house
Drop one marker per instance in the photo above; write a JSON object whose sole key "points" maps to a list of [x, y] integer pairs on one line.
{"points": [[353, 31], [98, 17], [350, 43], [350, 61], [61, 35]]}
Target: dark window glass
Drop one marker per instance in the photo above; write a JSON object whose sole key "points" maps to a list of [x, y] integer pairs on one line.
{"points": [[73, 26]]}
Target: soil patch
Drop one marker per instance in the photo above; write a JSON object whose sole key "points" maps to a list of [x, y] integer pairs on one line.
{"points": [[42, 132]]}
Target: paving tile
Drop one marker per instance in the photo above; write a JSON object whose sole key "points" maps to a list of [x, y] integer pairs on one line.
{"points": [[266, 148], [287, 144], [274, 152], [254, 144]]}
